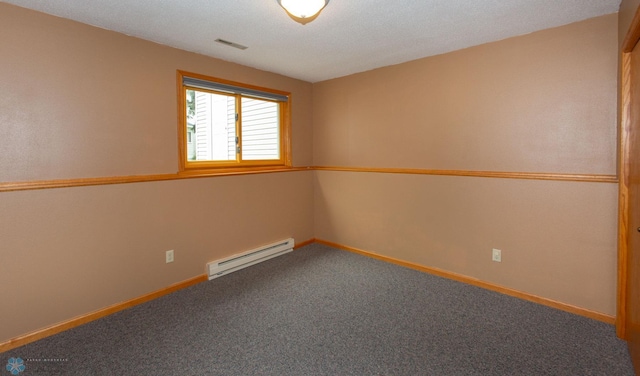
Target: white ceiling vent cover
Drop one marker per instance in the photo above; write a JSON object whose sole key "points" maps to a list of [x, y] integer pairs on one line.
{"points": [[231, 44], [239, 261]]}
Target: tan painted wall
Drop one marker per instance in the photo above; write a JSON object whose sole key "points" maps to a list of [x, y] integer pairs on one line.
{"points": [[543, 102], [82, 102], [78, 101]]}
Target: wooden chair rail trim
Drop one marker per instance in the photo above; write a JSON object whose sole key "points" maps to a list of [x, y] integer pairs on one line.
{"points": [[481, 174], [476, 282], [83, 182], [86, 318]]}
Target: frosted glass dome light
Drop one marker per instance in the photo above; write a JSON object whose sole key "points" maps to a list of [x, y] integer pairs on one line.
{"points": [[303, 11]]}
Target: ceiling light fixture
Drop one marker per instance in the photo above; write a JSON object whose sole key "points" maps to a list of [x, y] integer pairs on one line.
{"points": [[303, 11]]}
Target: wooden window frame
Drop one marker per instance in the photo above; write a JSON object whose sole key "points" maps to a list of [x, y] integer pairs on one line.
{"points": [[196, 167]]}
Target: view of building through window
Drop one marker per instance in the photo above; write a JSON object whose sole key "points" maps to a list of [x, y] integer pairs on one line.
{"points": [[227, 127]]}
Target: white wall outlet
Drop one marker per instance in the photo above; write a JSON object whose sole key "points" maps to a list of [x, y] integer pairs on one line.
{"points": [[496, 255], [169, 256]]}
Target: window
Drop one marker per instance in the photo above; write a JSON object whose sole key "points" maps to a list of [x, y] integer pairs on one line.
{"points": [[229, 124]]}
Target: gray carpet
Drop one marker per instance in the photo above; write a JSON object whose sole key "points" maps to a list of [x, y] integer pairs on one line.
{"points": [[322, 311]]}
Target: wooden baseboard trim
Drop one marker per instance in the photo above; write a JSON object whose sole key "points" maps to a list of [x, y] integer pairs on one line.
{"points": [[83, 319], [476, 282], [304, 243], [77, 321]]}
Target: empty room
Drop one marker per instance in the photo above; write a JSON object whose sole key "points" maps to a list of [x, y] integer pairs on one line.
{"points": [[359, 188]]}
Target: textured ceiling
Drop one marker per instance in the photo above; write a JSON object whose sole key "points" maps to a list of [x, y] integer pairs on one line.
{"points": [[349, 36]]}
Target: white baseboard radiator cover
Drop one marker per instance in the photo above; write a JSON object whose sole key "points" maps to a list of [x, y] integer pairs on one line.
{"points": [[239, 261]]}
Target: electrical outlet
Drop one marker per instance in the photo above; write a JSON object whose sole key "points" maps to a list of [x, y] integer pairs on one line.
{"points": [[169, 256], [496, 255]]}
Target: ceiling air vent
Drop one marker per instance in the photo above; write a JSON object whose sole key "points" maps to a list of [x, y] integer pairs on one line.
{"points": [[231, 44]]}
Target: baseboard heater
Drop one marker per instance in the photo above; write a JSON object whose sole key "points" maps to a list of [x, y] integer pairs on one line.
{"points": [[239, 261]]}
